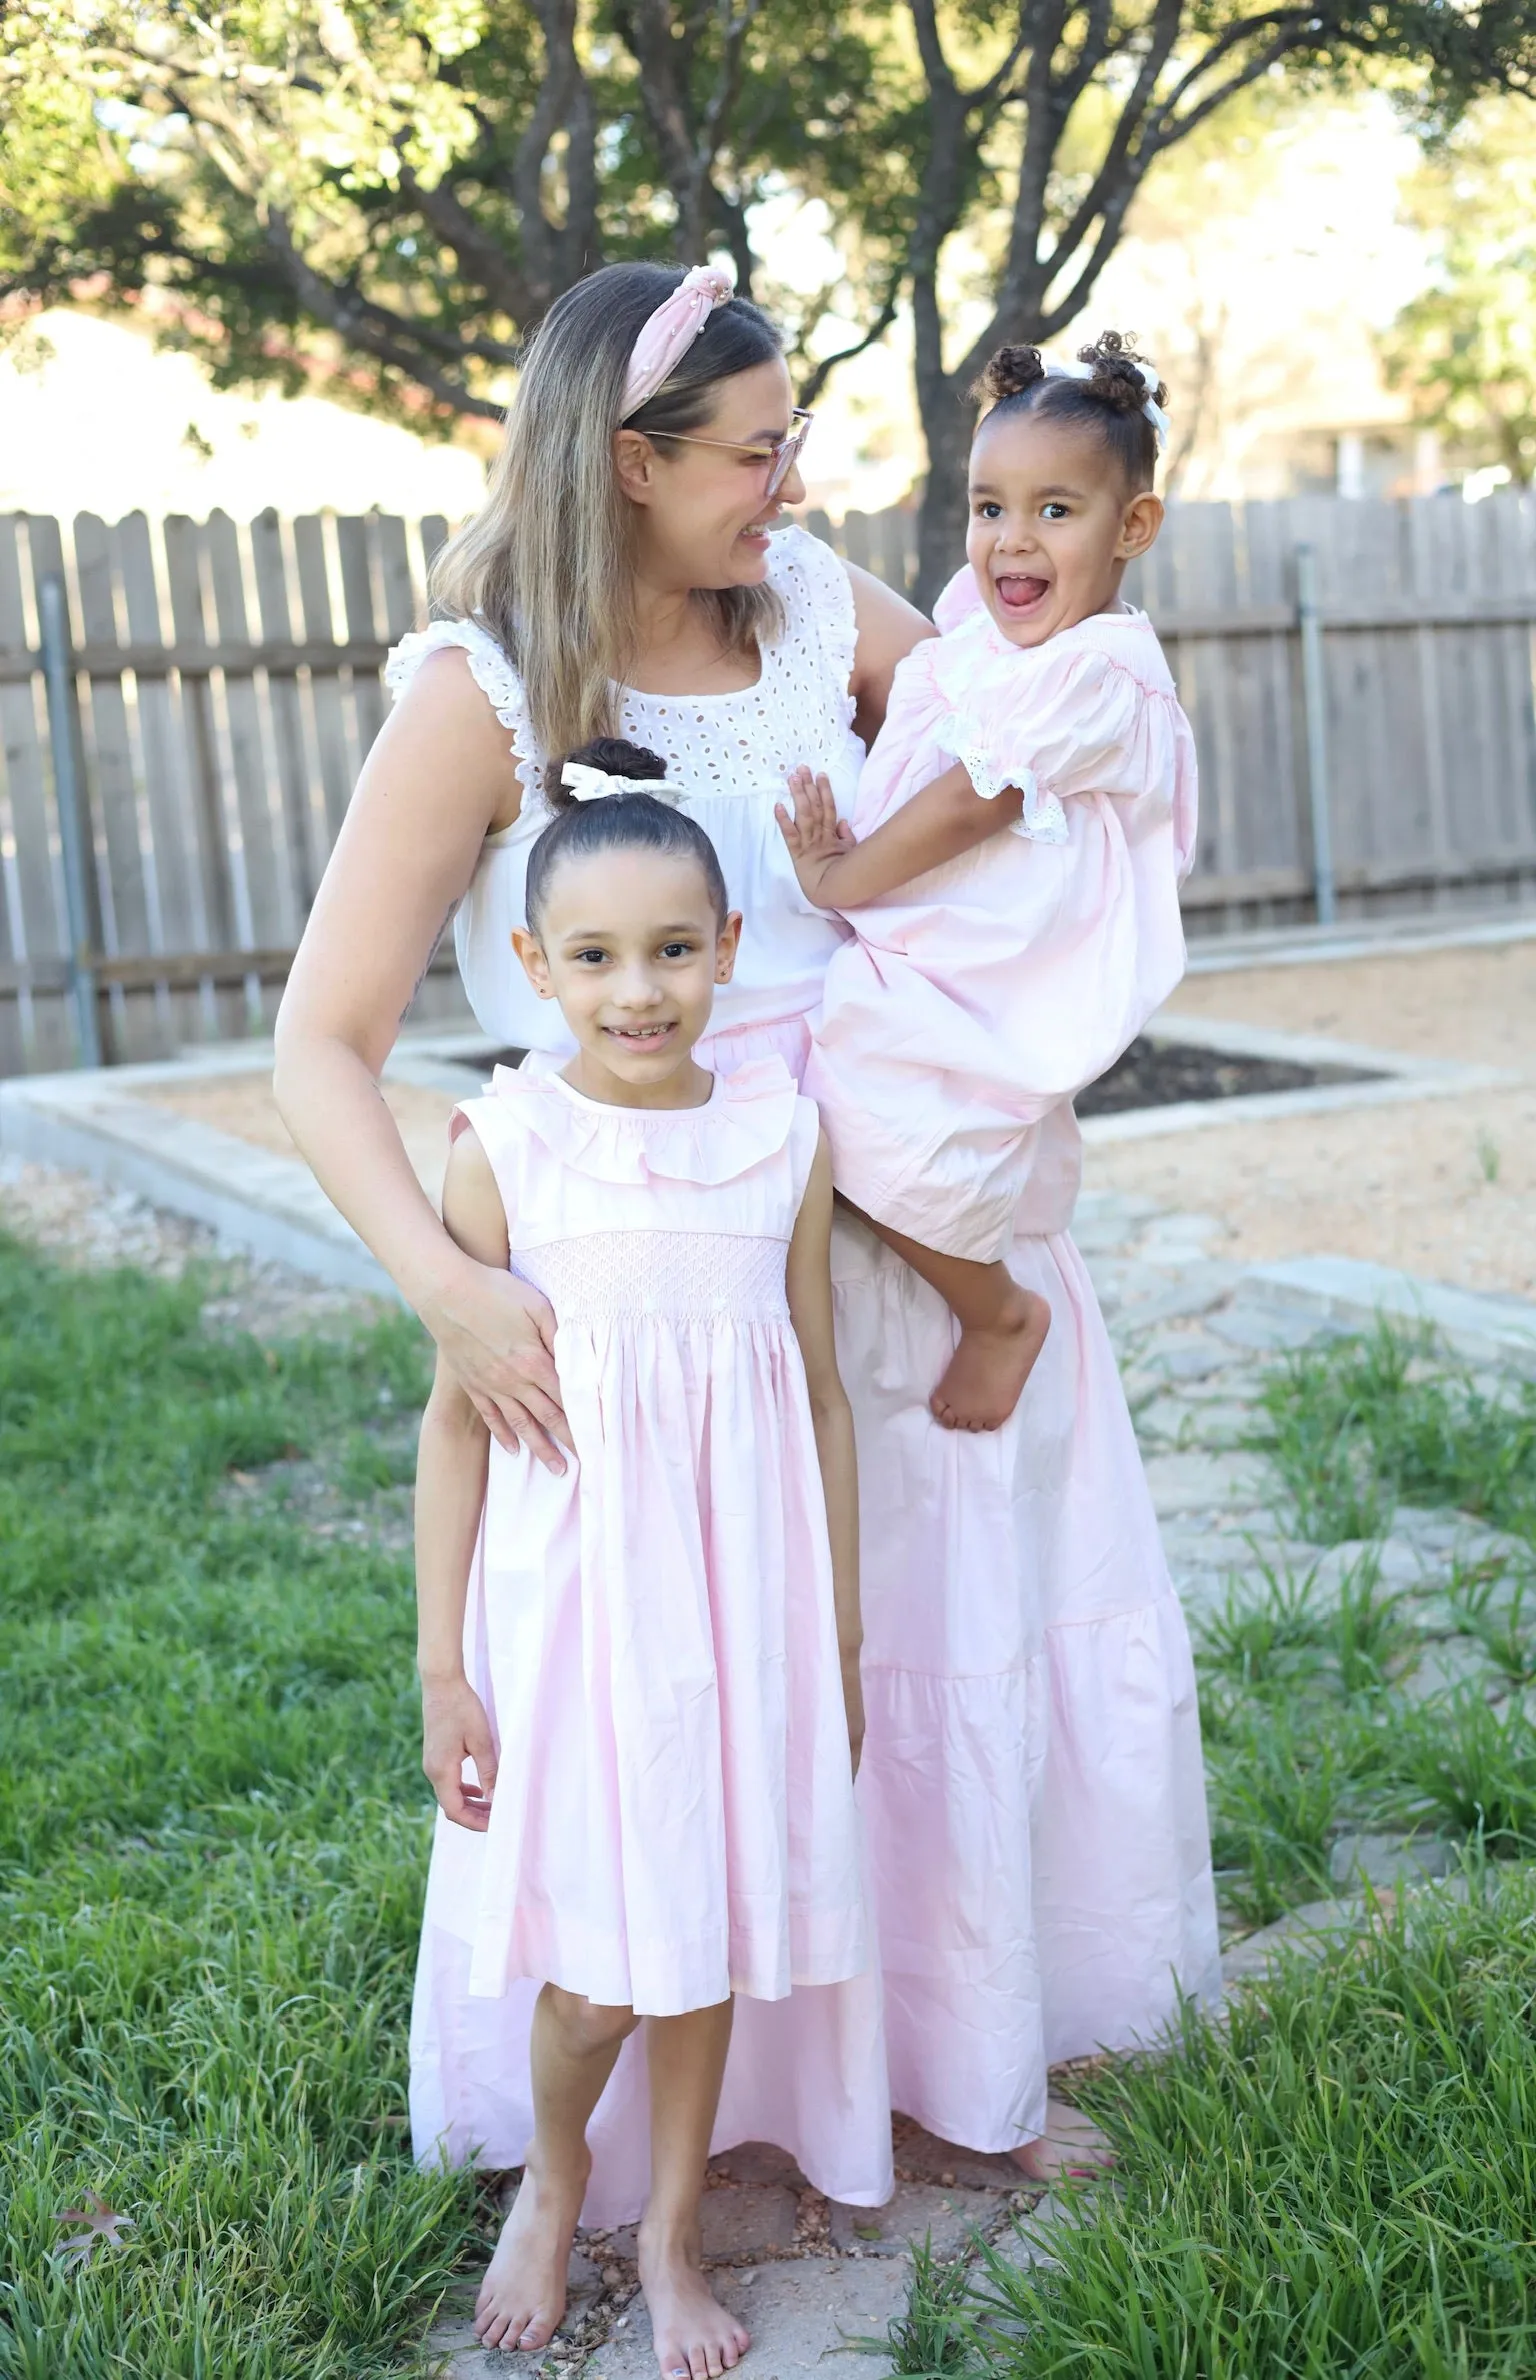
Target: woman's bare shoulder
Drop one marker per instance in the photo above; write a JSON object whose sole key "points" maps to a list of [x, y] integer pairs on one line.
{"points": [[888, 625], [447, 732]]}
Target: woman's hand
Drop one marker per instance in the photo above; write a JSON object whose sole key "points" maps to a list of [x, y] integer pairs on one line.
{"points": [[816, 837], [454, 1728], [497, 1335]]}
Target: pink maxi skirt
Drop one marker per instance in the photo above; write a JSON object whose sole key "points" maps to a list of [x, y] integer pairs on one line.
{"points": [[1032, 1789]]}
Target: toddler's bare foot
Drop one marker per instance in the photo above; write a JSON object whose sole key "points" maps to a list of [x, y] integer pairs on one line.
{"points": [[522, 2297], [696, 2339], [988, 1369], [1070, 2144]]}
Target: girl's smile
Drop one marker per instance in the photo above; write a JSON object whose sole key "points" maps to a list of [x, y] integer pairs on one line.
{"points": [[1052, 524], [631, 946]]}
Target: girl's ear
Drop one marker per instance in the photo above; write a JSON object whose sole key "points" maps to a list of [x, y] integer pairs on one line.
{"points": [[635, 460], [1139, 527], [727, 943], [535, 965]]}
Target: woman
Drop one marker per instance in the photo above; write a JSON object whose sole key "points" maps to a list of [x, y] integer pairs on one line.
{"points": [[1032, 1783]]}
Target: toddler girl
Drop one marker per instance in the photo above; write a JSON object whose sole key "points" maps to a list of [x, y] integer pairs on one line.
{"points": [[1044, 717], [658, 1687]]}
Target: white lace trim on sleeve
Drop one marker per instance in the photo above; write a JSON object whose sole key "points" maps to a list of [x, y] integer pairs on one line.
{"points": [[492, 672], [1044, 819]]}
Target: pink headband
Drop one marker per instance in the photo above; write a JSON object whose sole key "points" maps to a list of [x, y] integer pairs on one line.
{"points": [[666, 336]]}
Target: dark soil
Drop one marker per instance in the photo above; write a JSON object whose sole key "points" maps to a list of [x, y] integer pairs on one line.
{"points": [[1157, 1073]]}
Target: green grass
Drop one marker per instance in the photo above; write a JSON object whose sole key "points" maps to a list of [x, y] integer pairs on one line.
{"points": [[1338, 2186], [1342, 2184], [1312, 1722], [1359, 1425], [212, 1838]]}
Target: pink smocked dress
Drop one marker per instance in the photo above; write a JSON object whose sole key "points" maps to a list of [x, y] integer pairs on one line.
{"points": [[978, 998], [1032, 1788], [653, 1633]]}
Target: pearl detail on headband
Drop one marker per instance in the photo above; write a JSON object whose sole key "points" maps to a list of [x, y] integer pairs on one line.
{"points": [[667, 334]]}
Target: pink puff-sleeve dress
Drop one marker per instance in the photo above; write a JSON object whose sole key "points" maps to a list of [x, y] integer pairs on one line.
{"points": [[978, 998]]}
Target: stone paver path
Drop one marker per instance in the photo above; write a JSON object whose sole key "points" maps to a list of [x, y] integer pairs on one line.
{"points": [[815, 2281]]}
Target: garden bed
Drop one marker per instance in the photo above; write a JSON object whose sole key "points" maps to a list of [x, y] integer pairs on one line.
{"points": [[1167, 1073]]}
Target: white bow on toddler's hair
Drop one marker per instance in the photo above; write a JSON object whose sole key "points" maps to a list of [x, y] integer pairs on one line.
{"points": [[588, 784], [1153, 411]]}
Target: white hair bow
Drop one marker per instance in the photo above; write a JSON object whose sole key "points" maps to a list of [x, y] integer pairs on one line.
{"points": [[594, 785], [1151, 408]]}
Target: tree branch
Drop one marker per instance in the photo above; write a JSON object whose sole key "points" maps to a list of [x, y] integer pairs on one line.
{"points": [[366, 325], [828, 365], [483, 259]]}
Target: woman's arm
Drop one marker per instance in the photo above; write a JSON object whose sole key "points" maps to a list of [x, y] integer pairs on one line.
{"points": [[888, 628], [439, 778], [946, 818], [808, 1281], [451, 1464]]}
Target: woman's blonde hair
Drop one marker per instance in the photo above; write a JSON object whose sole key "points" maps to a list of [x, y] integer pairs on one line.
{"points": [[547, 563]]}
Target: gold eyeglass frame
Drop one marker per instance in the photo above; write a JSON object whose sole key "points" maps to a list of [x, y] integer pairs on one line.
{"points": [[782, 455]]}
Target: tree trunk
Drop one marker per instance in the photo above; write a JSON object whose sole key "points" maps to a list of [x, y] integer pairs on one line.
{"points": [[948, 419]]}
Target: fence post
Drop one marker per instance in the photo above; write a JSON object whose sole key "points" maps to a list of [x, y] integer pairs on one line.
{"points": [[63, 737], [1314, 690]]}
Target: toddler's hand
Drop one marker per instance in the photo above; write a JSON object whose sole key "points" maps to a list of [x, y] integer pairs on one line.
{"points": [[454, 1727], [815, 835]]}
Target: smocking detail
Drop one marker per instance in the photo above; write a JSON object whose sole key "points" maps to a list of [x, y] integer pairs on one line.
{"points": [[686, 1276]]}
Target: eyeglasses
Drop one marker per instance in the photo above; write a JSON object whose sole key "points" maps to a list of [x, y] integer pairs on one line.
{"points": [[781, 457]]}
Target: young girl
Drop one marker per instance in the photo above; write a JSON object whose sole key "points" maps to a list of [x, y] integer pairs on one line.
{"points": [[658, 1687], [1045, 713]]}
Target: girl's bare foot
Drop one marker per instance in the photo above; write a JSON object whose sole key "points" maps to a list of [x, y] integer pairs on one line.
{"points": [[989, 1367], [696, 2339], [1071, 2144], [522, 2297]]}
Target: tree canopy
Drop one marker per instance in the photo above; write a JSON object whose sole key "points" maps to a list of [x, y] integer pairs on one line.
{"points": [[1465, 350], [396, 189]]}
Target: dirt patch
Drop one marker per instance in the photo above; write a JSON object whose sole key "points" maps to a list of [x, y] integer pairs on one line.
{"points": [[1442, 1187], [1164, 1073], [1475, 1005], [243, 1106]]}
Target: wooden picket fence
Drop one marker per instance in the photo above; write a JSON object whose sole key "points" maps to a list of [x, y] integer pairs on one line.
{"points": [[1359, 676]]}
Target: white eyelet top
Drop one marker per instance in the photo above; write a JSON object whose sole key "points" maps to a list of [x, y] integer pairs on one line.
{"points": [[731, 754]]}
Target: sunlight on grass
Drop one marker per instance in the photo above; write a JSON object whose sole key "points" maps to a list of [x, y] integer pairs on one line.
{"points": [[212, 1838]]}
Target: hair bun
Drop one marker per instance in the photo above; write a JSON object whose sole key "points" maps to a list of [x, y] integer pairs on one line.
{"points": [[613, 754], [1010, 372], [1119, 373]]}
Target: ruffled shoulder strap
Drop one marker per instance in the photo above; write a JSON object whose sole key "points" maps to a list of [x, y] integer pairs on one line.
{"points": [[747, 1122], [489, 666], [819, 621]]}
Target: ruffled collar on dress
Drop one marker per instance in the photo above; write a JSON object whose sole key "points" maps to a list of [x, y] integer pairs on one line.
{"points": [[747, 1120]]}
